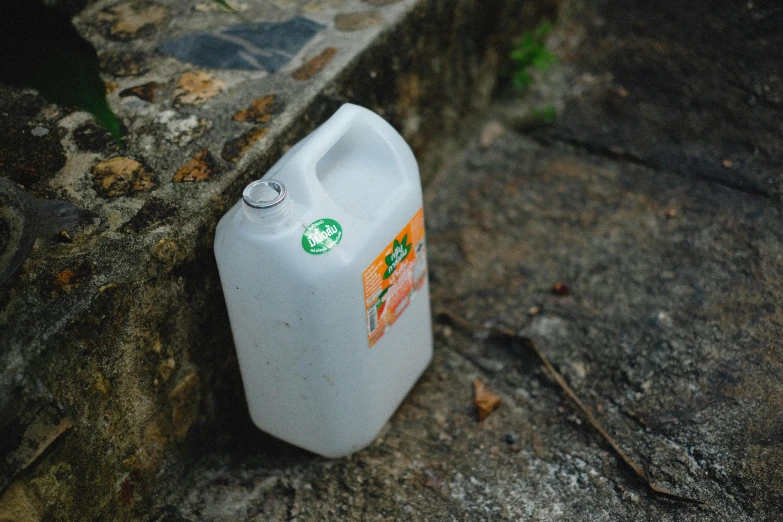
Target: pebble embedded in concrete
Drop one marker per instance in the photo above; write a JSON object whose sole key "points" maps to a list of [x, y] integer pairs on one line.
{"points": [[122, 176], [311, 67], [259, 46], [196, 87], [181, 130], [200, 167], [133, 19]]}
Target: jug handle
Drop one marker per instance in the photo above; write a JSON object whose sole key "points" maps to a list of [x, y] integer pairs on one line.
{"points": [[321, 140]]}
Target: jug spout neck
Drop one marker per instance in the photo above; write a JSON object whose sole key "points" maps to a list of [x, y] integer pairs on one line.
{"points": [[266, 204]]}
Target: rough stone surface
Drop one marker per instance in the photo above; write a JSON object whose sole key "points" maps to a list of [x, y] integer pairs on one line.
{"points": [[669, 333], [653, 288], [123, 325], [649, 199], [687, 90]]}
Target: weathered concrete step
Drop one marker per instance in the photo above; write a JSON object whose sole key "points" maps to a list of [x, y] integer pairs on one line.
{"points": [[116, 332]]}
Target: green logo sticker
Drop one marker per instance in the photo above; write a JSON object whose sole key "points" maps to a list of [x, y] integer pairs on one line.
{"points": [[321, 236]]}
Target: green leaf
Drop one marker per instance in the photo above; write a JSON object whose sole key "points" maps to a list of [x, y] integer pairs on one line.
{"points": [[543, 60], [404, 240], [543, 30], [529, 53], [521, 56], [546, 114], [43, 51], [522, 80]]}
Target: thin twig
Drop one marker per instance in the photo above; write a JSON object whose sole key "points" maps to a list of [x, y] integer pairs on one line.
{"points": [[506, 332]]}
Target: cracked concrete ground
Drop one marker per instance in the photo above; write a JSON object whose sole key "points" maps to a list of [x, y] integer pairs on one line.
{"points": [[668, 236], [670, 333]]}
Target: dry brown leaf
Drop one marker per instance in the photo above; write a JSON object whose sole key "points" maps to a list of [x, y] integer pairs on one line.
{"points": [[485, 399]]}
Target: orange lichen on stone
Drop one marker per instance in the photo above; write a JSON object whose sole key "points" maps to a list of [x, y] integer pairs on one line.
{"points": [[68, 279], [200, 167], [62, 279], [306, 71], [195, 87], [233, 149], [122, 176], [168, 253], [259, 111], [102, 384]]}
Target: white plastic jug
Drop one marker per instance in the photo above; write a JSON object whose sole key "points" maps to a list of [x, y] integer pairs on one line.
{"points": [[324, 269]]}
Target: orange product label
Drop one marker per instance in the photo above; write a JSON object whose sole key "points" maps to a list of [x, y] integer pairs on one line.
{"points": [[391, 280]]}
